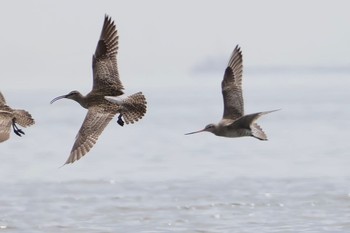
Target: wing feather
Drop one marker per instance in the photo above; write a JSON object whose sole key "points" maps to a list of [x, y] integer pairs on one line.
{"points": [[232, 86], [2, 99], [104, 61], [247, 120], [95, 122]]}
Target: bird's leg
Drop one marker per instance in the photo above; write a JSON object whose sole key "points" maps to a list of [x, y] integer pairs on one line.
{"points": [[120, 120], [16, 130]]}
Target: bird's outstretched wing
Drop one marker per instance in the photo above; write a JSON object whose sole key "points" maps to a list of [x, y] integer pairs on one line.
{"points": [[104, 62], [95, 121], [232, 86], [247, 120]]}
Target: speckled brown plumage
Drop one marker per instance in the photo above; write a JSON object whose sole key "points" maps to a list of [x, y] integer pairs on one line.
{"points": [[10, 117], [106, 82]]}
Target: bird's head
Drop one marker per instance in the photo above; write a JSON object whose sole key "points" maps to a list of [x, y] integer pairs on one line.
{"points": [[209, 128], [73, 95]]}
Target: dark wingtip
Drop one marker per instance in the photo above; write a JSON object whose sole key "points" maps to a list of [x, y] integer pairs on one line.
{"points": [[237, 48], [67, 162], [108, 19]]}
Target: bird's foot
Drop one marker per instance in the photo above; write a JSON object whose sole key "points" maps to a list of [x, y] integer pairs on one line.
{"points": [[17, 130], [120, 120], [18, 133]]}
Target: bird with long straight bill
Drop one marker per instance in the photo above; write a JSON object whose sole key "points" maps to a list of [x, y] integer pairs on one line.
{"points": [[234, 122]]}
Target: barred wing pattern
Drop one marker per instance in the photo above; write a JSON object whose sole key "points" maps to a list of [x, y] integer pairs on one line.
{"points": [[95, 122], [232, 86], [104, 62]]}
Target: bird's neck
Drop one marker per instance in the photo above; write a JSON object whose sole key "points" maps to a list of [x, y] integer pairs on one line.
{"points": [[79, 98]]}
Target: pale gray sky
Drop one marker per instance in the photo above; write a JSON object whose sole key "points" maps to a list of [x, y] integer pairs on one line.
{"points": [[49, 44]]}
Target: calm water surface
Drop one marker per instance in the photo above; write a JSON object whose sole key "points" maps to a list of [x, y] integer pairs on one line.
{"points": [[149, 177]]}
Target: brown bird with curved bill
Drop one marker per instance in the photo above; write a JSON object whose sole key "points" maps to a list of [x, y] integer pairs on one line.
{"points": [[9, 116], [234, 123], [106, 82]]}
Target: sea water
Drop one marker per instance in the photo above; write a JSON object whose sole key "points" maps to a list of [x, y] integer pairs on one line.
{"points": [[150, 177]]}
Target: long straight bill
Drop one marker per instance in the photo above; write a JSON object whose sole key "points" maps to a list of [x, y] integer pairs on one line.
{"points": [[199, 131]]}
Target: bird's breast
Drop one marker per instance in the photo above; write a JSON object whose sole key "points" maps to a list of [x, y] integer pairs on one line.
{"points": [[233, 132]]}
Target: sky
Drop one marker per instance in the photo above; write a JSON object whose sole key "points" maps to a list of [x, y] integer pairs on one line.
{"points": [[49, 44]]}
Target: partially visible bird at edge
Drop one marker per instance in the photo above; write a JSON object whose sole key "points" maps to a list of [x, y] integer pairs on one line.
{"points": [[234, 123], [10, 117], [106, 82]]}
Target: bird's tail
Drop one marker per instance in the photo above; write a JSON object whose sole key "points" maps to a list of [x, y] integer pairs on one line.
{"points": [[248, 121], [23, 118], [257, 132], [134, 107]]}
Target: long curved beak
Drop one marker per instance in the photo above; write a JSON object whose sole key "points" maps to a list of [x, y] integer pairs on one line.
{"points": [[58, 98], [199, 131]]}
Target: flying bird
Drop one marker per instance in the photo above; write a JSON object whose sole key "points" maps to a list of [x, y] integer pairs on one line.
{"points": [[106, 82], [234, 123], [9, 117]]}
